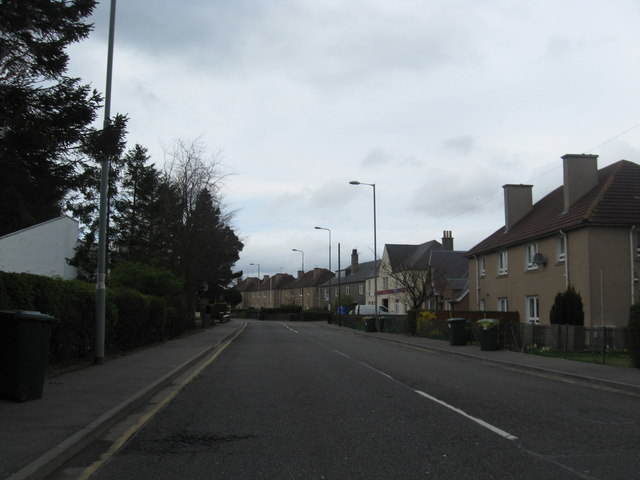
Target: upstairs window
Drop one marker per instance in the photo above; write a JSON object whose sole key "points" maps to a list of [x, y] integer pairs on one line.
{"points": [[482, 268], [361, 289], [503, 263], [561, 249], [532, 250]]}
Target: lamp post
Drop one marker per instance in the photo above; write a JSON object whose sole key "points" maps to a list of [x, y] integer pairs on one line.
{"points": [[296, 250], [375, 248], [323, 228], [258, 265], [104, 211]]}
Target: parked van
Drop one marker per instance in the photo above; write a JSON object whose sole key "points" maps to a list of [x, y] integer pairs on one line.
{"points": [[370, 310]]}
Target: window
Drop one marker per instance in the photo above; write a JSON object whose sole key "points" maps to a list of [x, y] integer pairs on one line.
{"points": [[533, 310], [301, 292], [481, 305], [361, 289], [503, 264], [561, 249], [336, 292], [503, 304], [347, 290], [532, 250], [482, 266], [385, 283], [326, 294]]}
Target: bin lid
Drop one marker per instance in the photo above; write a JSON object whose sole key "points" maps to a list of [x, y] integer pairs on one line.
{"points": [[451, 320], [31, 315], [488, 322]]}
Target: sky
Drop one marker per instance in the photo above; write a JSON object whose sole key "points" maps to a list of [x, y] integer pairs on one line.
{"points": [[438, 103]]}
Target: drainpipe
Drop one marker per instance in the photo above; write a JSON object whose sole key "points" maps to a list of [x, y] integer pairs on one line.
{"points": [[477, 282], [632, 255], [566, 260]]}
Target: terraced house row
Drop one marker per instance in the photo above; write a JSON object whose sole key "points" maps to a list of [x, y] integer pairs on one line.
{"points": [[585, 233]]}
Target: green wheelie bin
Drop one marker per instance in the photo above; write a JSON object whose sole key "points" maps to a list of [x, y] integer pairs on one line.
{"points": [[24, 353], [457, 331], [489, 334]]}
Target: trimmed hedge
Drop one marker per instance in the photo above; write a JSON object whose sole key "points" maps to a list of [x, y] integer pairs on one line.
{"points": [[132, 319]]}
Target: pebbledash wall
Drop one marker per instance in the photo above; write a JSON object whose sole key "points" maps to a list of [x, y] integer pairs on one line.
{"points": [[42, 249]]}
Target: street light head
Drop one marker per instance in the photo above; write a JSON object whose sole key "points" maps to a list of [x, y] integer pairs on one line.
{"points": [[318, 228], [354, 182]]}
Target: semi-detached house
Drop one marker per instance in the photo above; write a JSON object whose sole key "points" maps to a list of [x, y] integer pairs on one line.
{"points": [[585, 234]]}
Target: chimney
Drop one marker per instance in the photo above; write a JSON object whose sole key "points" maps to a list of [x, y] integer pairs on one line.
{"points": [[517, 203], [354, 261], [580, 176], [300, 273], [447, 240]]}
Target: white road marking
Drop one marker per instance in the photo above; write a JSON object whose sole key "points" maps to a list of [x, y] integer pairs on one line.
{"points": [[287, 326], [486, 425]]}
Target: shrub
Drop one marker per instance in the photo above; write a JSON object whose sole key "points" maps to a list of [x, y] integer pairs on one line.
{"points": [[423, 321], [633, 334], [567, 308]]}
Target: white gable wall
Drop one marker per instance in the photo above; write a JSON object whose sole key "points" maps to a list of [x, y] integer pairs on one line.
{"points": [[42, 249]]}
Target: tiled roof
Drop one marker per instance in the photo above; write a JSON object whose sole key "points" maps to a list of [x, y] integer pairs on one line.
{"points": [[312, 278], [614, 201], [407, 257], [364, 271]]}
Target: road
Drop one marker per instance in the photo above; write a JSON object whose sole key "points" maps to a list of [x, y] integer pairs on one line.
{"points": [[311, 401]]}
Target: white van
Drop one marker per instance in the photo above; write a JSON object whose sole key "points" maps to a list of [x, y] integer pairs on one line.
{"points": [[370, 310]]}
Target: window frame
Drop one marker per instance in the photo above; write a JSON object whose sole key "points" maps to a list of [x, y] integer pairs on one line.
{"points": [[503, 262], [531, 252], [533, 318]]}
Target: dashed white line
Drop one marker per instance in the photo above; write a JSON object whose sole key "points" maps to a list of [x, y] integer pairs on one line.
{"points": [[486, 425]]}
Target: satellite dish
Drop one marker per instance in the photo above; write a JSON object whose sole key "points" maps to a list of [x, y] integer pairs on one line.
{"points": [[538, 259]]}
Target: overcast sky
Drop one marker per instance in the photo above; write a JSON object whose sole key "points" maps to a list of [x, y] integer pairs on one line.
{"points": [[439, 103]]}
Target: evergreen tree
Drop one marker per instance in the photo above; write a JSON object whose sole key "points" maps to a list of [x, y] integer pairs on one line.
{"points": [[567, 308], [43, 113], [137, 209]]}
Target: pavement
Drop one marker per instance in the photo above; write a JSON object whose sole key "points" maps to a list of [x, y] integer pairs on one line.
{"points": [[77, 407]]}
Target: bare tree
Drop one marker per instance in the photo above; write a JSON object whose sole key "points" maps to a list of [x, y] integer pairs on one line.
{"points": [[416, 285]]}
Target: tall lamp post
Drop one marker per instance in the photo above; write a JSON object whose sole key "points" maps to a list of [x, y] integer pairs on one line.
{"points": [[296, 250], [101, 289], [375, 248], [258, 265], [323, 228]]}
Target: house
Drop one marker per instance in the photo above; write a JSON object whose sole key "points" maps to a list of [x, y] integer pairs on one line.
{"points": [[41, 249], [264, 293], [584, 234], [350, 282], [431, 274], [306, 290]]}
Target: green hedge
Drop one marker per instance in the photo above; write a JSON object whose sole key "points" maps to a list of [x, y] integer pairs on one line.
{"points": [[132, 319]]}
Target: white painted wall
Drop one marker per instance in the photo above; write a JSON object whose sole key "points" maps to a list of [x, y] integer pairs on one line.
{"points": [[41, 249]]}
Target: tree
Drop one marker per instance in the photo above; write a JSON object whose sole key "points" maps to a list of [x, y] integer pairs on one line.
{"points": [[43, 114], [138, 208], [416, 286], [96, 145], [567, 308], [203, 247]]}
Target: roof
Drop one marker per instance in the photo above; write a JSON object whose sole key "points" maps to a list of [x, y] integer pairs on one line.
{"points": [[614, 201], [312, 278], [410, 257], [364, 271]]}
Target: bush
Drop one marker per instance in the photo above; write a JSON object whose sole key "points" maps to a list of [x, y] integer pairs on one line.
{"points": [[567, 308], [633, 334], [423, 323]]}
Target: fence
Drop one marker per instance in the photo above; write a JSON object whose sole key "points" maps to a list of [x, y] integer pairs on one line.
{"points": [[564, 338]]}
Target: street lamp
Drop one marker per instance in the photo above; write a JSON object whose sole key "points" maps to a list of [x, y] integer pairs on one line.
{"points": [[375, 248], [258, 265], [322, 228], [296, 250]]}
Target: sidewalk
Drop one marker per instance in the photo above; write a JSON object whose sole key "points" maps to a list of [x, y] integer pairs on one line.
{"points": [[38, 436], [627, 379]]}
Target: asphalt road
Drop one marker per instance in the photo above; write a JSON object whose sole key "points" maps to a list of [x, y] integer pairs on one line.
{"points": [[309, 401]]}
